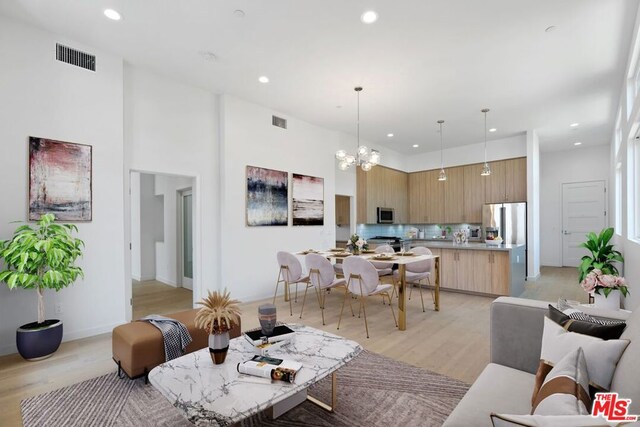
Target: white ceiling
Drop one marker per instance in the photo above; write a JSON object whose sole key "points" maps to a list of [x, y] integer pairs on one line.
{"points": [[422, 61]]}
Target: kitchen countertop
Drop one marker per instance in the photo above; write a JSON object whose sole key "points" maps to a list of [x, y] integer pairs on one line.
{"points": [[471, 245]]}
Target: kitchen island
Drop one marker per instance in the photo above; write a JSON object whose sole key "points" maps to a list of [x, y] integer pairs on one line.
{"points": [[478, 268]]}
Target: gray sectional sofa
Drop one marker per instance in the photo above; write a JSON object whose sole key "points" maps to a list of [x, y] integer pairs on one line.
{"points": [[506, 384]]}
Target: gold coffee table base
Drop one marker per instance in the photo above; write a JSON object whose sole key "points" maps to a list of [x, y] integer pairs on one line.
{"points": [[334, 396]]}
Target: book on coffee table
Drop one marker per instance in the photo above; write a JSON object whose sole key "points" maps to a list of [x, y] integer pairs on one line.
{"points": [[270, 367], [280, 333]]}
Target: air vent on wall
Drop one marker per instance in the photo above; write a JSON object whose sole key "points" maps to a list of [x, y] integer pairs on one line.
{"points": [[75, 57], [279, 121]]}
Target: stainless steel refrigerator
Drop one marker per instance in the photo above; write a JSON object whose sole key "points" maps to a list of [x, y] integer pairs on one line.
{"points": [[510, 220]]}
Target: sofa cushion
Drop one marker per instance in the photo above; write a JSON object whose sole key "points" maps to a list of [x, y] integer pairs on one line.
{"points": [[498, 389], [589, 326], [566, 389], [502, 420], [625, 379]]}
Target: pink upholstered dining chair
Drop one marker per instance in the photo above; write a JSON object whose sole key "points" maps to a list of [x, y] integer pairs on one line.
{"points": [[383, 268], [362, 282], [322, 277], [290, 273], [416, 272]]}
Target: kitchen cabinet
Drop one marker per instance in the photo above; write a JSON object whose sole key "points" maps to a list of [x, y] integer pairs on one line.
{"points": [[381, 187], [507, 182], [476, 271], [500, 273], [426, 198], [457, 269], [474, 188], [343, 210], [454, 196], [516, 180], [482, 272]]}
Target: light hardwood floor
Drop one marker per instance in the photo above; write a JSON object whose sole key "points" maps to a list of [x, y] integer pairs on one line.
{"points": [[153, 297], [454, 341]]}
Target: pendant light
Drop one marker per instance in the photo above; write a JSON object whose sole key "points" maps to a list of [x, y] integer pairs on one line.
{"points": [[443, 175], [364, 157], [486, 170]]}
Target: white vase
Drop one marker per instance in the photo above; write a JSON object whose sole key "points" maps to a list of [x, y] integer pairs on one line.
{"points": [[611, 302]]}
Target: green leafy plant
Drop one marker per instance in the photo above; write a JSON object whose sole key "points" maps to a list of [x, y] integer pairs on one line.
{"points": [[41, 257], [602, 256]]}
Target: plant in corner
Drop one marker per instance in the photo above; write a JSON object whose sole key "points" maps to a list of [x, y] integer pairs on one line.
{"points": [[41, 257], [602, 256], [217, 316]]}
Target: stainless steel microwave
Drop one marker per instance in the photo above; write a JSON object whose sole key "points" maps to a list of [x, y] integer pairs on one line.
{"points": [[385, 216]]}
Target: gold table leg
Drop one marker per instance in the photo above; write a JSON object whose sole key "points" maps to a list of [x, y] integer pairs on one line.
{"points": [[437, 284], [334, 395], [402, 295]]}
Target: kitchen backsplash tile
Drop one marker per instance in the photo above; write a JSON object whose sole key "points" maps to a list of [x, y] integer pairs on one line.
{"points": [[368, 231]]}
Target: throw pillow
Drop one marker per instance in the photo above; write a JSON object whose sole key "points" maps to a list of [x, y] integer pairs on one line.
{"points": [[565, 391], [601, 356], [587, 327], [503, 420], [573, 313]]}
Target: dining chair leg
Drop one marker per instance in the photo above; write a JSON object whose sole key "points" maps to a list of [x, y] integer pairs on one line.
{"points": [[350, 305], [421, 299], [410, 290], [346, 294], [290, 306], [321, 298], [433, 295], [392, 312], [304, 299], [364, 311], [277, 283]]}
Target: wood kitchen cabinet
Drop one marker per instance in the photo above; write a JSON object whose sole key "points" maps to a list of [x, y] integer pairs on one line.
{"points": [[474, 189], [454, 193], [500, 273], [478, 271], [381, 187], [507, 182], [426, 198], [343, 210], [457, 269]]}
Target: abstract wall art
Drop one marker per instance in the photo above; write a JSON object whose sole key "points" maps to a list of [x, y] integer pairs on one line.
{"points": [[308, 200], [59, 180], [267, 197]]}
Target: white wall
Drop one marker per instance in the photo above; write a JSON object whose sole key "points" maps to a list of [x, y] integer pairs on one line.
{"points": [[136, 268], [506, 148], [248, 138], [556, 168], [43, 97], [166, 251]]}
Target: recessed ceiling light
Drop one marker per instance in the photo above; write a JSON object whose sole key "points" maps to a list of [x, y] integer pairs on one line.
{"points": [[112, 14], [209, 56], [577, 143], [550, 29], [263, 79], [415, 146], [369, 17], [493, 130], [574, 125], [390, 135], [238, 13]]}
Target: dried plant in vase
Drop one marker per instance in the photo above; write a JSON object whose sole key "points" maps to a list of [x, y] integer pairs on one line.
{"points": [[217, 316]]}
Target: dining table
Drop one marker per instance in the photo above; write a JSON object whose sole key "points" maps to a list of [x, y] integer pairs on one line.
{"points": [[402, 259]]}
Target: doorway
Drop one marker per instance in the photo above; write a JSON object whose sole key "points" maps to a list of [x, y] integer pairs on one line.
{"points": [[584, 207], [162, 251], [343, 220]]}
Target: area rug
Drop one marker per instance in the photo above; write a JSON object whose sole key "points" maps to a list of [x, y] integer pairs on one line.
{"points": [[373, 390]]}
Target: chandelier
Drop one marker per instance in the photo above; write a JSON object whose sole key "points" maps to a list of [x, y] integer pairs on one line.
{"points": [[364, 157]]}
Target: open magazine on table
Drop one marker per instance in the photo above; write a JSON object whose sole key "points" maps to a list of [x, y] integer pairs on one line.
{"points": [[270, 367]]}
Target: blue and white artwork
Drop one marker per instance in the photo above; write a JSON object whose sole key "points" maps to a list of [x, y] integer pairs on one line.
{"points": [[267, 197], [308, 200]]}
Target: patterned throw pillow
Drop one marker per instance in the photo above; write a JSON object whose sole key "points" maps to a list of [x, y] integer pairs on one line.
{"points": [[584, 324], [576, 314]]}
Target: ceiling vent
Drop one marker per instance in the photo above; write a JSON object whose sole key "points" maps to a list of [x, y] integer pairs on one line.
{"points": [[75, 57], [279, 121]]}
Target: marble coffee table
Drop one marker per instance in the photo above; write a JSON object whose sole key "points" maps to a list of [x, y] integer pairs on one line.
{"points": [[209, 394]]}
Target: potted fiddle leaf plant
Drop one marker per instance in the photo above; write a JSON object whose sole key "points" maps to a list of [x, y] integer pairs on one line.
{"points": [[217, 316], [41, 257]]}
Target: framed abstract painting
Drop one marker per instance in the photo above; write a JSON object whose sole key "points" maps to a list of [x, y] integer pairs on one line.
{"points": [[308, 200], [267, 197], [59, 180]]}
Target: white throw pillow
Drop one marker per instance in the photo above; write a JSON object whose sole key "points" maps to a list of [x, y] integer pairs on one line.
{"points": [[565, 391], [502, 420], [601, 356]]}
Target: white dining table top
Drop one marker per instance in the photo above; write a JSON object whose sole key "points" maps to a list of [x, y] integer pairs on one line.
{"points": [[396, 258]]}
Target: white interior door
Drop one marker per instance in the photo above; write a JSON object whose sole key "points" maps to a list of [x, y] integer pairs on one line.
{"points": [[186, 240], [583, 210]]}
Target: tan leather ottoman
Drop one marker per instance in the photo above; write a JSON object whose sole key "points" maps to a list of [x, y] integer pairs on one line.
{"points": [[138, 346]]}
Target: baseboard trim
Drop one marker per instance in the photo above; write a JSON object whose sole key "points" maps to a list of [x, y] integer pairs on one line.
{"points": [[535, 277], [167, 281]]}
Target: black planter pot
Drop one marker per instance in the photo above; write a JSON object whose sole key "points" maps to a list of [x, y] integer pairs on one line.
{"points": [[39, 341]]}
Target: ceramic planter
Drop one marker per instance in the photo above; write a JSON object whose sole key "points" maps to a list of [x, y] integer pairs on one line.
{"points": [[36, 343], [611, 302], [218, 347]]}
